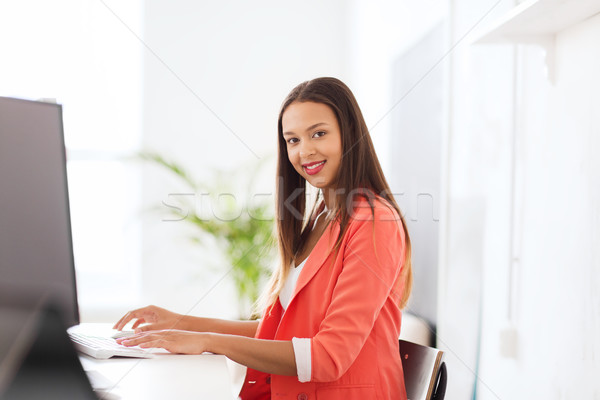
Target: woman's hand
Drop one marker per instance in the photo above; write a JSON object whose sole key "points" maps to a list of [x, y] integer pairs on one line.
{"points": [[182, 342], [155, 318]]}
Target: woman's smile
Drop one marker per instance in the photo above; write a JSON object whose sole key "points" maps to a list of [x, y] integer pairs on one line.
{"points": [[314, 167]]}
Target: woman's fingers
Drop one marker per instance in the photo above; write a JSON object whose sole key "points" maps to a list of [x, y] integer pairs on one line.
{"points": [[123, 321], [143, 315], [138, 322], [147, 328], [172, 340], [155, 344], [132, 340], [156, 338]]}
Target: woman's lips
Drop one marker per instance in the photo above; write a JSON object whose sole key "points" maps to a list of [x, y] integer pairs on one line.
{"points": [[314, 168]]}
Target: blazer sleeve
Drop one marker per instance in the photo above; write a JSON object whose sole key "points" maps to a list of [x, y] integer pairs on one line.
{"points": [[373, 256]]}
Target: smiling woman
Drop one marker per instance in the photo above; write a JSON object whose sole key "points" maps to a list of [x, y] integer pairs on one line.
{"points": [[315, 150], [349, 273]]}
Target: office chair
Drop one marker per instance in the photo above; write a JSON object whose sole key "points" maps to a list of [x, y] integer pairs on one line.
{"points": [[425, 374]]}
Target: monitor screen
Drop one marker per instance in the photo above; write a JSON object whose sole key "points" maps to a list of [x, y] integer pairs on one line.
{"points": [[36, 250]]}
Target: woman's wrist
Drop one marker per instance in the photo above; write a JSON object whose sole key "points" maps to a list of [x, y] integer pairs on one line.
{"points": [[211, 342], [190, 323], [214, 325]]}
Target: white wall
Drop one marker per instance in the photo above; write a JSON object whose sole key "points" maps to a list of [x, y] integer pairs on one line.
{"points": [[556, 302], [378, 33], [213, 85], [540, 322], [520, 218], [476, 194]]}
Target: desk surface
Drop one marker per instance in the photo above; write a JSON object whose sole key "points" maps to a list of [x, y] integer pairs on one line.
{"points": [[166, 376]]}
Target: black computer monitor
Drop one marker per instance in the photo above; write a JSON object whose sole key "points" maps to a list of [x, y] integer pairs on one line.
{"points": [[36, 250], [37, 359]]}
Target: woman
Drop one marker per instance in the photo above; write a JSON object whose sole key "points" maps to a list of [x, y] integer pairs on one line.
{"points": [[332, 315]]}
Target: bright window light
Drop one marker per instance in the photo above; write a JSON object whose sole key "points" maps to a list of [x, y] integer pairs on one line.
{"points": [[80, 54]]}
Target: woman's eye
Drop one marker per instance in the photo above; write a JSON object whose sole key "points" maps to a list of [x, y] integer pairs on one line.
{"points": [[292, 140], [319, 134]]}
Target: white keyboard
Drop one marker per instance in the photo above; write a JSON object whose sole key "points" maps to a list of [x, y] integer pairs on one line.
{"points": [[104, 347]]}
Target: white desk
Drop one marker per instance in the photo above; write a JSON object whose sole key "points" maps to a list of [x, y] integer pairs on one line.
{"points": [[166, 376]]}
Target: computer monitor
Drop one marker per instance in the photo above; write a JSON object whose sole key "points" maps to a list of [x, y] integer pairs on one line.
{"points": [[37, 359], [36, 250]]}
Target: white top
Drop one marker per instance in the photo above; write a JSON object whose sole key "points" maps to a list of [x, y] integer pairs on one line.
{"points": [[301, 345], [290, 284]]}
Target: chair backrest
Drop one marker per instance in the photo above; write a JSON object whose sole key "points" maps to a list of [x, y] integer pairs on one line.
{"points": [[424, 371]]}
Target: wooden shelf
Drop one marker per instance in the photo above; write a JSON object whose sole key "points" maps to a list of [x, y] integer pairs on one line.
{"points": [[538, 22]]}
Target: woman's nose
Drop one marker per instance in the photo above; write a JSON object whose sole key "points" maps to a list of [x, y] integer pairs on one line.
{"points": [[306, 149]]}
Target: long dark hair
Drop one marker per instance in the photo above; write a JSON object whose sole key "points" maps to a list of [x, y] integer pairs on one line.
{"points": [[360, 174]]}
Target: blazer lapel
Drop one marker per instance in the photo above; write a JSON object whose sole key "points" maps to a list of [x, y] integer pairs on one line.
{"points": [[317, 257]]}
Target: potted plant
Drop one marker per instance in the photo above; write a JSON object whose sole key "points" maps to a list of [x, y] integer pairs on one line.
{"points": [[245, 234]]}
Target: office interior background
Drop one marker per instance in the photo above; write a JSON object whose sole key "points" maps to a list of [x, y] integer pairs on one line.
{"points": [[490, 146]]}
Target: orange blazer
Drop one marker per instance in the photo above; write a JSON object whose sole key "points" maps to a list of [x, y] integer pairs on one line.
{"points": [[348, 306]]}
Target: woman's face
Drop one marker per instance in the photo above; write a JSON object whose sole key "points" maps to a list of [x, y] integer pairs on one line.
{"points": [[314, 142]]}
